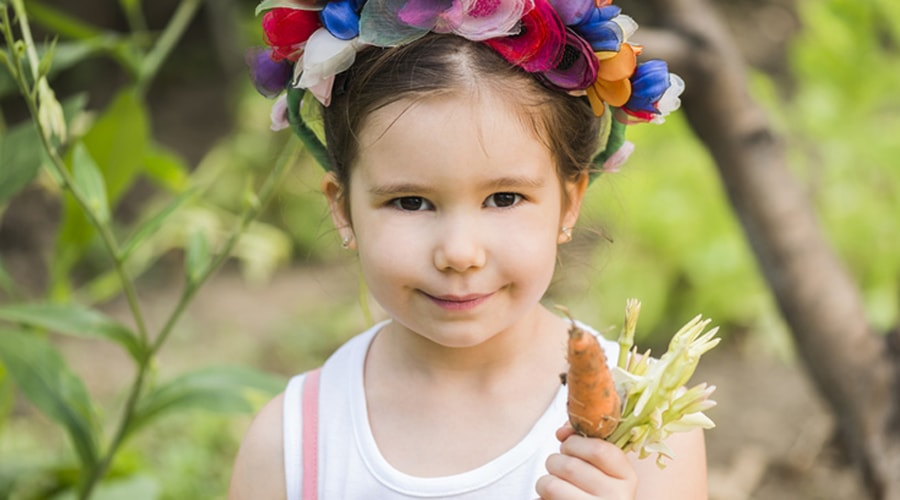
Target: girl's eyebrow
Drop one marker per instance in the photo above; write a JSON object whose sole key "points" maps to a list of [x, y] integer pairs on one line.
{"points": [[399, 188], [499, 183], [515, 182]]}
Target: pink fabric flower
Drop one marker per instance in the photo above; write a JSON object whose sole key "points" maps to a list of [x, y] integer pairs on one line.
{"points": [[479, 20], [539, 45], [615, 162], [279, 114]]}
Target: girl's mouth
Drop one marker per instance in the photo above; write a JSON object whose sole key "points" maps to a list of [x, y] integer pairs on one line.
{"points": [[459, 302]]}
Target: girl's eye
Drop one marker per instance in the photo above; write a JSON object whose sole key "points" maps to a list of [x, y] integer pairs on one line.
{"points": [[411, 203], [502, 200]]}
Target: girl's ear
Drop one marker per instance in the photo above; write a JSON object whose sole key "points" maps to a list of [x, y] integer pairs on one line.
{"points": [[336, 195], [574, 195]]}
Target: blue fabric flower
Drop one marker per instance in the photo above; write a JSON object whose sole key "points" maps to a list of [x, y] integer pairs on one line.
{"points": [[648, 84], [341, 18], [600, 31]]}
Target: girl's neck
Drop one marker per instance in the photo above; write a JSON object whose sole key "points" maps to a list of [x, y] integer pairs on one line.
{"points": [[525, 345], [451, 398]]}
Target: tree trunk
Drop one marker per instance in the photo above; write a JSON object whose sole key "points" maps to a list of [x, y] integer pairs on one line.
{"points": [[854, 368]]}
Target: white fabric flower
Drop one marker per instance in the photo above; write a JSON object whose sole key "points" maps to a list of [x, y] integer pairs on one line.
{"points": [[325, 56]]}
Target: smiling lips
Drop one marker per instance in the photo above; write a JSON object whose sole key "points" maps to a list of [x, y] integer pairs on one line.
{"points": [[459, 302]]}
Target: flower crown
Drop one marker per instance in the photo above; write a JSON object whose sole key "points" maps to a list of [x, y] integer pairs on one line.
{"points": [[576, 46]]}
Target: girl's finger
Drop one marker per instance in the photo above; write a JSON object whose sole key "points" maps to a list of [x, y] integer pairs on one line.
{"points": [[601, 454], [564, 432], [550, 487], [575, 471]]}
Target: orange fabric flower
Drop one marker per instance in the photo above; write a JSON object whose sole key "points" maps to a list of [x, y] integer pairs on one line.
{"points": [[613, 85]]}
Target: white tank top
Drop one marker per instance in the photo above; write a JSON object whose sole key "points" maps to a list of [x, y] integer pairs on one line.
{"points": [[350, 465]]}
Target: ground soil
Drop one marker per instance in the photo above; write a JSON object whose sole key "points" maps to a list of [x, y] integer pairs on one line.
{"points": [[773, 440]]}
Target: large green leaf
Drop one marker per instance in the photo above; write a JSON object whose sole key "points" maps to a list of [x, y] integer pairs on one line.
{"points": [[21, 154], [166, 168], [42, 375], [118, 142], [72, 319], [57, 21], [220, 389]]}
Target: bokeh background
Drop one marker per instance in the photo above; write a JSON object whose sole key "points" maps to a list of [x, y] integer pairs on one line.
{"points": [[662, 230]]}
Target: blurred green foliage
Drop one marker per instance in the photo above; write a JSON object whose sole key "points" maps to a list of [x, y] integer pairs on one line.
{"points": [[676, 244], [88, 162]]}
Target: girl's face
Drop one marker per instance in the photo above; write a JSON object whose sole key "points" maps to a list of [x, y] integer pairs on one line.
{"points": [[455, 210]]}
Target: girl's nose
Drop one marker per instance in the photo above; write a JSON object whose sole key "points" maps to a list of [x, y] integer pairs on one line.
{"points": [[459, 247]]}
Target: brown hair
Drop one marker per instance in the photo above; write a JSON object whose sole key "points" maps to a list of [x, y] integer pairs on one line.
{"points": [[436, 64]]}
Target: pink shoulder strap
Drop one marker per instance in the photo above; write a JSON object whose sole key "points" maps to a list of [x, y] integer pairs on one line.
{"points": [[311, 435]]}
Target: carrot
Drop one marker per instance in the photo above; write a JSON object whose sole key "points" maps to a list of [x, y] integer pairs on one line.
{"points": [[594, 406]]}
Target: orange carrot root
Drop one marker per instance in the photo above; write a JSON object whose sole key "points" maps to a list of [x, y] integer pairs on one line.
{"points": [[594, 406]]}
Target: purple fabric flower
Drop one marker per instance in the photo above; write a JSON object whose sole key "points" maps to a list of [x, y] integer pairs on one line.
{"points": [[269, 77], [423, 13], [341, 18], [599, 29], [577, 70], [572, 11]]}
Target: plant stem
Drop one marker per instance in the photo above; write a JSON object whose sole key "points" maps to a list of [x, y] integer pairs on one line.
{"points": [[166, 43], [288, 157], [25, 28], [265, 193], [135, 16]]}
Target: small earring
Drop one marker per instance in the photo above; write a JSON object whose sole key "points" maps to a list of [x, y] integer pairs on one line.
{"points": [[345, 243], [567, 233]]}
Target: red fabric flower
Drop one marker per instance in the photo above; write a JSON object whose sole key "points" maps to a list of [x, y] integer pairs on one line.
{"points": [[539, 45], [286, 30]]}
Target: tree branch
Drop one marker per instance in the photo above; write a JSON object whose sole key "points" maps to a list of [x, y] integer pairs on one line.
{"points": [[818, 299]]}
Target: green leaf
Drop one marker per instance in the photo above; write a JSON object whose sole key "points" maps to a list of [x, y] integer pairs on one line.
{"points": [[197, 258], [89, 182], [65, 56], [7, 397], [118, 142], [42, 375], [21, 154], [271, 4], [166, 168], [136, 487], [152, 225], [46, 60], [57, 21], [75, 320], [217, 389], [7, 283]]}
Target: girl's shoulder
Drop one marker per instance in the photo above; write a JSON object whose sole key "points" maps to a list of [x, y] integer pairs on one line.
{"points": [[259, 467]]}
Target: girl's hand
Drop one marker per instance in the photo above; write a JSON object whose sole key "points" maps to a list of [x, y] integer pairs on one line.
{"points": [[587, 468]]}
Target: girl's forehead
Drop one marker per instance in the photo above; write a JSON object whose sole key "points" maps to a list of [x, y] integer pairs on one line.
{"points": [[450, 137], [481, 113]]}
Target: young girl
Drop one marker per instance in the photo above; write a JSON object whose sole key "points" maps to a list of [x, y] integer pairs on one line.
{"points": [[458, 159]]}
